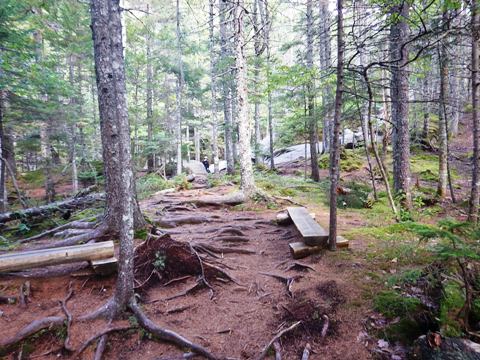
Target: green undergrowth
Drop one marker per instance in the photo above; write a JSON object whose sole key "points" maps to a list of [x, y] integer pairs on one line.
{"points": [[304, 191], [150, 184], [350, 160]]}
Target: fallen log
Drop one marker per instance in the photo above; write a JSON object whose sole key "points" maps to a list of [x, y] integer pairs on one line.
{"points": [[45, 257], [49, 209], [220, 200]]}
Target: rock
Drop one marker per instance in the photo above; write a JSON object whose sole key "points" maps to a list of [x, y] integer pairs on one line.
{"points": [[446, 349]]}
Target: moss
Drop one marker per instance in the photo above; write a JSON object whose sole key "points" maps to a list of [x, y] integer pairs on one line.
{"points": [[350, 160], [409, 276], [406, 331], [392, 304], [450, 306]]}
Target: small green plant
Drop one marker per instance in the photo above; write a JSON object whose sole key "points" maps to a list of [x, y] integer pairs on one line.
{"points": [[149, 184], [181, 182]]}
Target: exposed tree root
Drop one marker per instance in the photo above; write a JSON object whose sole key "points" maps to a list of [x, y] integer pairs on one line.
{"points": [[287, 280], [87, 343], [221, 250], [300, 266], [276, 338], [232, 238], [68, 315], [278, 350], [306, 352], [168, 259], [230, 231], [24, 294], [168, 335], [174, 221], [49, 322], [188, 290], [188, 355], [102, 343]]}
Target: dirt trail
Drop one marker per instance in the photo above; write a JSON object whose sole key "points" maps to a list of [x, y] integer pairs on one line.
{"points": [[236, 320]]}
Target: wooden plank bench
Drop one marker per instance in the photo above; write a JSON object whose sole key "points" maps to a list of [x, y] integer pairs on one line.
{"points": [[55, 256], [312, 233]]}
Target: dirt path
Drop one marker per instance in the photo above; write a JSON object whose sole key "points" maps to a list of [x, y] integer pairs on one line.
{"points": [[235, 320]]}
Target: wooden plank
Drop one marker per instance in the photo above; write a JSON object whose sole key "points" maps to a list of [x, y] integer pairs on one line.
{"points": [[105, 266], [62, 255], [311, 231], [300, 250]]}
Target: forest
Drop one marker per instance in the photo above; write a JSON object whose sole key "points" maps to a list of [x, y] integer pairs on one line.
{"points": [[240, 179]]}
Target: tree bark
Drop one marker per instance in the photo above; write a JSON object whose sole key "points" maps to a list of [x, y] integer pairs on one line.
{"points": [[179, 90], [335, 149], [325, 63], [115, 133], [475, 68], [399, 94], [442, 118], [312, 123], [213, 79], [150, 154], [3, 167], [247, 183], [226, 87]]}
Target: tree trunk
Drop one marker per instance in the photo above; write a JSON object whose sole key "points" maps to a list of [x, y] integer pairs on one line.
{"points": [[245, 130], [442, 117], [226, 87], [325, 63], [266, 15], [399, 95], [179, 92], [196, 140], [310, 96], [259, 45], [3, 167], [213, 86], [475, 68], [115, 133], [335, 149], [150, 153], [71, 127]]}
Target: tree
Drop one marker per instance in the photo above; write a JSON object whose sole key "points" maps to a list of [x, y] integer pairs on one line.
{"points": [[115, 133], [178, 91], [245, 129], [443, 121], [225, 10], [213, 86], [399, 93], [150, 156], [475, 68], [335, 145], [312, 119]]}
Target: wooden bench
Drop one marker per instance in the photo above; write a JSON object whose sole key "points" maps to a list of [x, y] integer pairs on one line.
{"points": [[313, 234]]}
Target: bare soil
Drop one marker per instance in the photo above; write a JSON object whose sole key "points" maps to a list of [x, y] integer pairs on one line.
{"points": [[235, 320]]}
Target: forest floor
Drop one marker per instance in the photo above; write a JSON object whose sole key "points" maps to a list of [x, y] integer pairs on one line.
{"points": [[237, 319]]}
